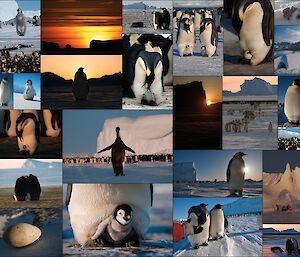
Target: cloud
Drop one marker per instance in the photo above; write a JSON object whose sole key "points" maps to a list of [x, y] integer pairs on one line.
{"points": [[285, 133]]}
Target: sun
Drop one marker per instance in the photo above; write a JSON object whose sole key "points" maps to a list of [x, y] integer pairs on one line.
{"points": [[208, 102], [246, 169]]}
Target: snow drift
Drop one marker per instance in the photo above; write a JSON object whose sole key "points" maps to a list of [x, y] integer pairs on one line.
{"points": [[287, 62], [146, 135]]}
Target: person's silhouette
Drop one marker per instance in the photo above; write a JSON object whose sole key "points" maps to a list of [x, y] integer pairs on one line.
{"points": [[118, 153]]}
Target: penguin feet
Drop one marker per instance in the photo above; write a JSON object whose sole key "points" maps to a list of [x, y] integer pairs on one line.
{"points": [[205, 244], [53, 133], [246, 61], [196, 246], [93, 243]]}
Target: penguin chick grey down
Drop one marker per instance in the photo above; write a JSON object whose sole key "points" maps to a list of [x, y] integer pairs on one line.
{"points": [[117, 229], [236, 174]]}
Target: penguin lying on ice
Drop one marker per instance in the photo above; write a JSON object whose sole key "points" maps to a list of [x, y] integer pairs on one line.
{"points": [[254, 22]]}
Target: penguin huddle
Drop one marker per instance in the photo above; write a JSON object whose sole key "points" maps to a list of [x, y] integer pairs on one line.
{"points": [[28, 125], [147, 67], [253, 21], [202, 225], [189, 23]]}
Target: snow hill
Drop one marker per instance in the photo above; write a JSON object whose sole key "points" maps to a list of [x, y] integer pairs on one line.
{"points": [[255, 87], [34, 164], [282, 188], [146, 135], [243, 206], [287, 62], [139, 5]]}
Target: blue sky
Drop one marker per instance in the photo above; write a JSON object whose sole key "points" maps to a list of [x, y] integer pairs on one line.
{"points": [[21, 79], [26, 5], [288, 132], [82, 127], [182, 205], [284, 83], [213, 164], [275, 161], [287, 34]]}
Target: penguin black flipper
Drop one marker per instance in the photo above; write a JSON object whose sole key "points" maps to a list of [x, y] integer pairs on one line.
{"points": [[236, 21], [178, 30], [106, 149], [151, 193], [228, 171], [267, 22], [225, 222], [69, 193]]}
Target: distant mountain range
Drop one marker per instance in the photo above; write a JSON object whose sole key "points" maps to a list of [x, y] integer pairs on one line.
{"points": [[34, 164], [254, 87], [243, 206], [286, 231], [139, 5]]}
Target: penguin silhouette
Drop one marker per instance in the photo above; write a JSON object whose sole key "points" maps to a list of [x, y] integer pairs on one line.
{"points": [[80, 85], [118, 153]]}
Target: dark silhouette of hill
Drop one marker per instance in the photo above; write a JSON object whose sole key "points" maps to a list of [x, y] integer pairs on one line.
{"points": [[96, 46]]}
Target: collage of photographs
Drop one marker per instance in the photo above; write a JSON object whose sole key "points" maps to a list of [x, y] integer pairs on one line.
{"points": [[149, 128]]}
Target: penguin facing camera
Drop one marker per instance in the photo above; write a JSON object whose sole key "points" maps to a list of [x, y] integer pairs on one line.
{"points": [[4, 92], [218, 223], [29, 91], [292, 102], [116, 230], [236, 174], [118, 153], [253, 20], [20, 23], [186, 35]]}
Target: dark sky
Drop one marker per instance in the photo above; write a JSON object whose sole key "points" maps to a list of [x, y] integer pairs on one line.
{"points": [[275, 161]]}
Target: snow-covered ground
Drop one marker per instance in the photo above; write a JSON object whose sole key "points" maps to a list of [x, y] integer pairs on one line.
{"points": [[287, 62], [198, 65], [167, 103], [20, 103], [280, 5], [279, 241], [141, 172], [9, 32], [243, 239], [219, 189], [258, 135], [48, 220], [282, 189], [158, 239]]}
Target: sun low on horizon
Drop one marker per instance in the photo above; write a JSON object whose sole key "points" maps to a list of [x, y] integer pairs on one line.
{"points": [[77, 22], [95, 66]]}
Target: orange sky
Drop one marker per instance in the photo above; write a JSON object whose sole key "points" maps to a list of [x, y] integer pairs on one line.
{"points": [[95, 66], [212, 86], [233, 83], [281, 227]]}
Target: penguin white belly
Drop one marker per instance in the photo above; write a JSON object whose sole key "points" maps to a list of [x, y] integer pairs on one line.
{"points": [[197, 20], [157, 86], [29, 141], [200, 238], [217, 224], [28, 93], [138, 87], [236, 182], [186, 42], [292, 104], [4, 94], [205, 38], [90, 204], [13, 116], [252, 43]]}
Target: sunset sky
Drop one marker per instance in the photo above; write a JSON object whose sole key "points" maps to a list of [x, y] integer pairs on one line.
{"points": [[77, 22], [95, 66], [212, 86], [233, 83], [281, 227]]}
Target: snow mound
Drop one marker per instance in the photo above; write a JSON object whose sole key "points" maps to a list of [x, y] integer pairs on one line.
{"points": [[146, 135], [8, 10], [287, 62], [34, 164], [185, 171], [243, 206]]}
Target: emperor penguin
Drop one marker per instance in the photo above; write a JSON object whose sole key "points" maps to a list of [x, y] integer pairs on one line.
{"points": [[20, 23], [236, 174], [208, 35], [51, 121], [218, 222], [29, 91], [80, 85], [100, 201], [28, 132], [197, 226], [116, 230], [186, 35], [166, 19], [4, 92], [118, 153], [291, 246], [254, 22], [12, 122], [292, 102]]}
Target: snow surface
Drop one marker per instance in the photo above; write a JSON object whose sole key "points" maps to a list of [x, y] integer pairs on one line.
{"points": [[145, 135], [157, 241], [218, 189], [20, 103], [282, 188], [290, 59], [141, 172], [258, 136], [10, 10], [243, 239]]}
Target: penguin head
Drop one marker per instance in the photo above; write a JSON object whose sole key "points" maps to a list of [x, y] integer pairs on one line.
{"points": [[81, 69], [297, 82], [118, 130], [4, 81], [218, 206], [241, 154], [203, 205], [29, 82], [123, 214]]}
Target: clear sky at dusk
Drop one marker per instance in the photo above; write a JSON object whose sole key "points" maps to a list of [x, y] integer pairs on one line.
{"points": [[95, 66], [212, 164], [275, 161]]}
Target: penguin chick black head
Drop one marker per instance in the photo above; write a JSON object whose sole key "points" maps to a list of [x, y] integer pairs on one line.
{"points": [[203, 205], [122, 214], [240, 154]]}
